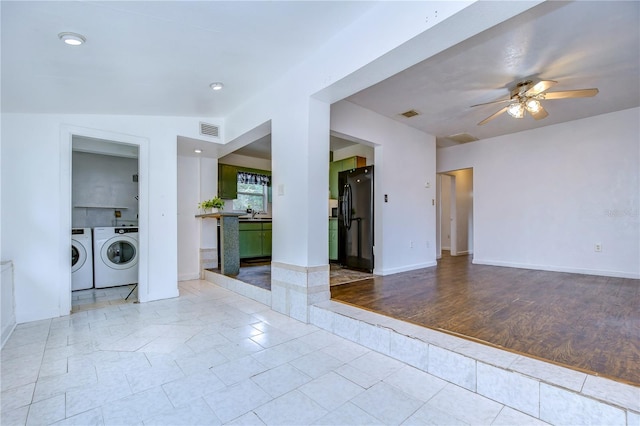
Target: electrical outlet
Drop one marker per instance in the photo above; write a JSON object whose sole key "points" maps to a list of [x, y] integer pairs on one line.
{"points": [[597, 247], [427, 244], [410, 244]]}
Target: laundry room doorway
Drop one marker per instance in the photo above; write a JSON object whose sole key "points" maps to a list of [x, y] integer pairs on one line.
{"points": [[104, 199], [107, 185]]}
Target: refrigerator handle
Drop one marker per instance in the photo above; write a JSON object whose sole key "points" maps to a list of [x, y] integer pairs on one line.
{"points": [[343, 199], [343, 205], [347, 204]]}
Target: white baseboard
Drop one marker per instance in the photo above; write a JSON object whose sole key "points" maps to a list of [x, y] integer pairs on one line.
{"points": [[189, 276], [7, 331], [602, 273], [404, 268], [8, 299]]}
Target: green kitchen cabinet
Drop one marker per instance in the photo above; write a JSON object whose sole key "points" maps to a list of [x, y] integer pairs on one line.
{"points": [[255, 239], [250, 238], [333, 239], [336, 167], [266, 239], [227, 182], [353, 163]]}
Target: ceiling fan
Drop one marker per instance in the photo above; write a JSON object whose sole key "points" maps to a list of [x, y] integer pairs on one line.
{"points": [[526, 96]]}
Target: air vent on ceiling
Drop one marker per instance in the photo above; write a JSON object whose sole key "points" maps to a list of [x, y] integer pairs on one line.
{"points": [[410, 113], [462, 138], [209, 130]]}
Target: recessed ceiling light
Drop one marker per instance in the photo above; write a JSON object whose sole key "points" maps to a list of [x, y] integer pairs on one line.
{"points": [[216, 86], [197, 151], [72, 39]]}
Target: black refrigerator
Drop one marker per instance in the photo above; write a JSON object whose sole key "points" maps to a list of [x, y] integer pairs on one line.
{"points": [[355, 218]]}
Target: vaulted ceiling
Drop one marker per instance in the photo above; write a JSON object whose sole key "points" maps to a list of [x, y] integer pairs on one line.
{"points": [[582, 44]]}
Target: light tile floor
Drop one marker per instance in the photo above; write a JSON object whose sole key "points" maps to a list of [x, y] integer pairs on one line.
{"points": [[213, 357]]}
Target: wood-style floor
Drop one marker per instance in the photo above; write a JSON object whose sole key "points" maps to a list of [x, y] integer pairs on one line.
{"points": [[584, 322]]}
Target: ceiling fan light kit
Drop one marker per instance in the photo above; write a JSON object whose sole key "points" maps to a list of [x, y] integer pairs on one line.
{"points": [[516, 110], [532, 105], [526, 96]]}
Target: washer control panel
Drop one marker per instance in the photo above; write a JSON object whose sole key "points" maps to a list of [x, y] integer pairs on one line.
{"points": [[125, 230]]}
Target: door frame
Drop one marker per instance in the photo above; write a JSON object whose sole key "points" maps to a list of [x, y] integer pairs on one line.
{"points": [[452, 214], [67, 132], [453, 206]]}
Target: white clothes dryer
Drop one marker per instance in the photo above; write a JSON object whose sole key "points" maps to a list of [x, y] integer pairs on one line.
{"points": [[115, 256], [81, 259]]}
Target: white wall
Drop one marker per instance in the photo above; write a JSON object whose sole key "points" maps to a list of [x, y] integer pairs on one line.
{"points": [[543, 198], [300, 175], [404, 163], [188, 225], [36, 185], [103, 180]]}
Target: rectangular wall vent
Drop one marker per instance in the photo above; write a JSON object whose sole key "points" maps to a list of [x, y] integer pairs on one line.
{"points": [[209, 130], [462, 138], [410, 113]]}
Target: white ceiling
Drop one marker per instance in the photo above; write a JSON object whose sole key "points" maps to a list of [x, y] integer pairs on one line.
{"points": [[580, 44], [158, 58]]}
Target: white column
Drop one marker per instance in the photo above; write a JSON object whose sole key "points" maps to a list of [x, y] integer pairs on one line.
{"points": [[300, 161]]}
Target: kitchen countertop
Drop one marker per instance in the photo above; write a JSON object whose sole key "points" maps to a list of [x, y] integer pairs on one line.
{"points": [[218, 215], [258, 219]]}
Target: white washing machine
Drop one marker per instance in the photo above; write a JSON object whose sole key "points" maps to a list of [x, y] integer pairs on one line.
{"points": [[81, 259], [115, 259]]}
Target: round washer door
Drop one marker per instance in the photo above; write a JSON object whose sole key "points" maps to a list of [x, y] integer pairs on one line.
{"points": [[78, 255], [120, 252]]}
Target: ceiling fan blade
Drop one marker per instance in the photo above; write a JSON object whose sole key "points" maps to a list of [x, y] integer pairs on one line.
{"points": [[491, 117], [540, 87], [491, 103], [540, 114], [582, 93]]}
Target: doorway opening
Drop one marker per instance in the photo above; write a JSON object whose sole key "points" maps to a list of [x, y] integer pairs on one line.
{"points": [[104, 220], [97, 164], [454, 228]]}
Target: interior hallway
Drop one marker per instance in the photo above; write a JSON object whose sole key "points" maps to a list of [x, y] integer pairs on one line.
{"points": [[584, 322], [214, 357]]}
